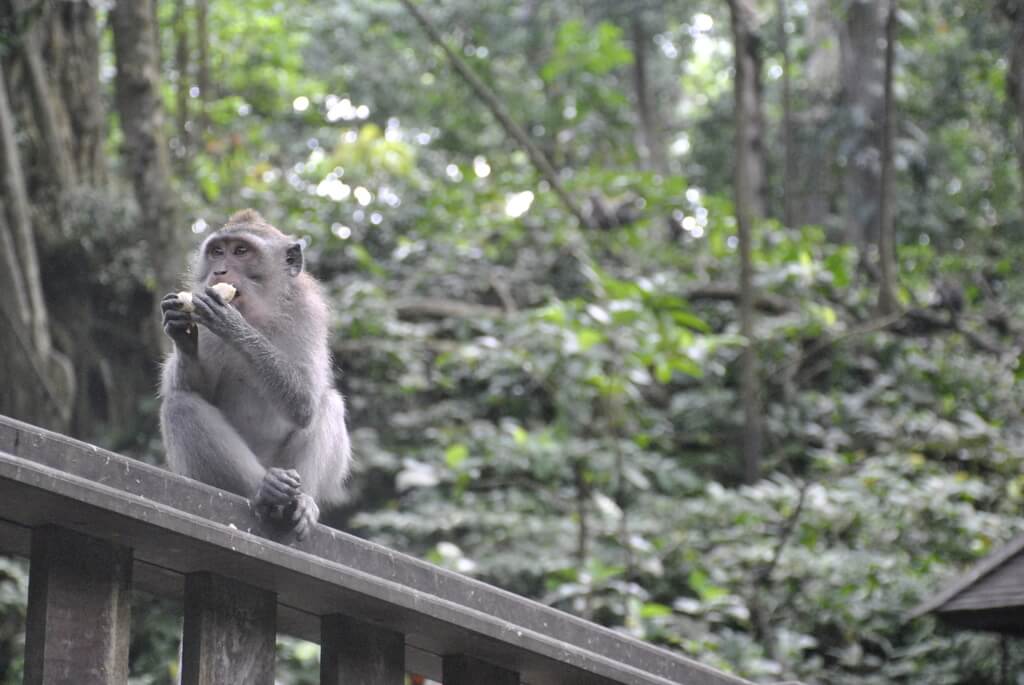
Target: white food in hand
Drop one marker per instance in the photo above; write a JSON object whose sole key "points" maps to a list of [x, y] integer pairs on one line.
{"points": [[225, 290]]}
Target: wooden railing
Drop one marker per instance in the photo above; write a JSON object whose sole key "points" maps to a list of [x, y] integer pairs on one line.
{"points": [[96, 525]]}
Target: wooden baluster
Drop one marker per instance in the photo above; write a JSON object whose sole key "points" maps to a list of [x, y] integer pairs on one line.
{"points": [[230, 632], [79, 610], [353, 652]]}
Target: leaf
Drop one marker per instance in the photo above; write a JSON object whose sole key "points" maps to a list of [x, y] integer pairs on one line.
{"points": [[553, 313], [363, 257], [588, 337], [690, 321], [687, 366], [416, 474], [835, 263], [705, 589], [663, 371], [456, 455], [607, 506], [619, 289], [519, 435], [654, 610], [598, 314]]}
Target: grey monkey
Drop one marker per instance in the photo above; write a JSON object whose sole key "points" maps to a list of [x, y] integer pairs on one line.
{"points": [[248, 397]]}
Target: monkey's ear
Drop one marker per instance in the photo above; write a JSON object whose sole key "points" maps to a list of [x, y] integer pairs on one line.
{"points": [[293, 258]]}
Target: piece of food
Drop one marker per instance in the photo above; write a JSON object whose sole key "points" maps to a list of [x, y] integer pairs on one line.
{"points": [[185, 297], [226, 291]]}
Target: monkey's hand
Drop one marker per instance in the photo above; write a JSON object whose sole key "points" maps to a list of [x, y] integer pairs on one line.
{"points": [[305, 514], [179, 326], [277, 492], [221, 319]]}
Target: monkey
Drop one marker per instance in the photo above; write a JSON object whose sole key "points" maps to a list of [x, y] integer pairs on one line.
{"points": [[607, 214], [949, 296], [248, 402]]}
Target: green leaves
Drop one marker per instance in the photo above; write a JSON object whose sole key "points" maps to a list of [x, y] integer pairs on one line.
{"points": [[705, 589], [579, 48], [561, 416], [456, 455]]}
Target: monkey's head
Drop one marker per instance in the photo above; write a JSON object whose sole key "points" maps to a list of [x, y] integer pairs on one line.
{"points": [[261, 262]]}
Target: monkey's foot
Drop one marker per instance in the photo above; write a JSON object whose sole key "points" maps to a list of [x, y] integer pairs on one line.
{"points": [[304, 515]]}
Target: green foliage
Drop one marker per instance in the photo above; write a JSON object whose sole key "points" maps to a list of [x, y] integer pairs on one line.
{"points": [[578, 48], [556, 410]]}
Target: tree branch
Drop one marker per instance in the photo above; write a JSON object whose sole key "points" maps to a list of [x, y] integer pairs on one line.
{"points": [[728, 292], [871, 326], [785, 533], [540, 161], [438, 308]]}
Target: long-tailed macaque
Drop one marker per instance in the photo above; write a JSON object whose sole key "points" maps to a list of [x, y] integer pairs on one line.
{"points": [[249, 403]]}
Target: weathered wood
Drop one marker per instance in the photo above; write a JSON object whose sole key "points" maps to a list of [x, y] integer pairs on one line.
{"points": [[79, 610], [354, 652], [1000, 557], [460, 669], [230, 632], [988, 597], [177, 526], [1003, 587]]}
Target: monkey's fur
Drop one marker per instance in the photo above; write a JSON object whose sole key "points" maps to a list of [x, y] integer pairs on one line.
{"points": [[248, 399]]}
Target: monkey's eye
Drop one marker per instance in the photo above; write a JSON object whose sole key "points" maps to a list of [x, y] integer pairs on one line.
{"points": [[217, 251], [241, 250]]}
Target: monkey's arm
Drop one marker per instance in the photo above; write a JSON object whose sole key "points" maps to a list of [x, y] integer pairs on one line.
{"points": [[288, 384], [182, 373]]}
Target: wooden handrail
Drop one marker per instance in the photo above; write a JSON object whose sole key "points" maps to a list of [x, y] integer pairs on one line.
{"points": [[377, 613]]}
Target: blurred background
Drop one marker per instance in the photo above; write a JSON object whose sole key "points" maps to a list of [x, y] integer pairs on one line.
{"points": [[698, 319]]}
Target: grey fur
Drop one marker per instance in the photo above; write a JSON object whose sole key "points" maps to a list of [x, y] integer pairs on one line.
{"points": [[249, 396]]}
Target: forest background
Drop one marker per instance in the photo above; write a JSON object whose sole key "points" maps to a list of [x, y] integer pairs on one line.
{"points": [[700, 319]]}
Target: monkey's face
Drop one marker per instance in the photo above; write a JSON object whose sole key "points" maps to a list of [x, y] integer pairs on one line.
{"points": [[237, 260], [259, 267]]}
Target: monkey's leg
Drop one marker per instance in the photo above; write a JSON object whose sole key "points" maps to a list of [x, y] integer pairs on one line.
{"points": [[201, 444]]}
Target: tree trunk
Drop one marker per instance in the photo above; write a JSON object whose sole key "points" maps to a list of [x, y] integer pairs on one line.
{"points": [[749, 177], [19, 213], [788, 171], [203, 67], [749, 105], [814, 183], [145, 151], [51, 121], [38, 380], [1014, 11], [652, 146], [154, 12], [886, 231], [181, 66], [74, 56], [863, 87]]}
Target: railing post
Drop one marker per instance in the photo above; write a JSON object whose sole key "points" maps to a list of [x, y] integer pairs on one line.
{"points": [[230, 632], [79, 610], [460, 669], [353, 652]]}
